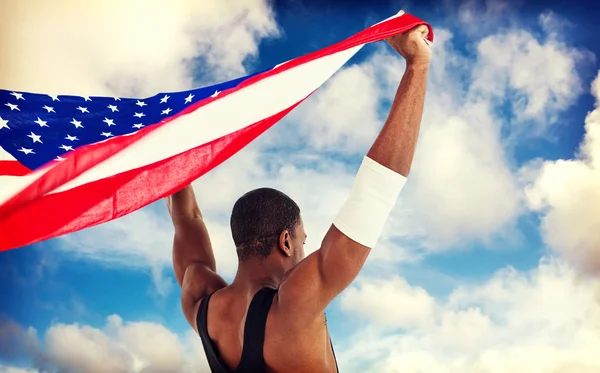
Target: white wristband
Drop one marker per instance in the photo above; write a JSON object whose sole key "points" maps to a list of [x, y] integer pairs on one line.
{"points": [[374, 194]]}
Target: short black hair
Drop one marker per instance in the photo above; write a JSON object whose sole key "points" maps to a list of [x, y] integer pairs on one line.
{"points": [[257, 220]]}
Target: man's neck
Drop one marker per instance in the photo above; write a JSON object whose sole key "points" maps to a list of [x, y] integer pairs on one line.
{"points": [[260, 273]]}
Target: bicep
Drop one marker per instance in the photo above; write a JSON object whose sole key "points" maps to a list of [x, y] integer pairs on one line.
{"points": [[323, 275]]}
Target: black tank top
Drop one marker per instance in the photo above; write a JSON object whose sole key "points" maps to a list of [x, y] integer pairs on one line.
{"points": [[252, 360]]}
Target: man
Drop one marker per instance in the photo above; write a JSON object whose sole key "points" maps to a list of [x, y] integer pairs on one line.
{"points": [[271, 318]]}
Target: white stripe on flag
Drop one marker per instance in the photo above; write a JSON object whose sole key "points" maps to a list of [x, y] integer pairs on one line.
{"points": [[13, 184], [6, 156]]}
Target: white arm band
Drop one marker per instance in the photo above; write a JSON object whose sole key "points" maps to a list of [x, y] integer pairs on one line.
{"points": [[375, 191]]}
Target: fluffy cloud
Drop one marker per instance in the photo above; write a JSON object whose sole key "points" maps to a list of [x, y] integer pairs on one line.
{"points": [[463, 185], [135, 48], [389, 302], [7, 369], [538, 77], [544, 321], [129, 347], [96, 352], [567, 194], [343, 115]]}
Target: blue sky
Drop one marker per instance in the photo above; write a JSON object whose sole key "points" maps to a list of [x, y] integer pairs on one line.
{"points": [[483, 227]]}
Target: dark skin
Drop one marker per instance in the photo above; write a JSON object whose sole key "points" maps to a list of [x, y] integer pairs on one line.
{"points": [[296, 337]]}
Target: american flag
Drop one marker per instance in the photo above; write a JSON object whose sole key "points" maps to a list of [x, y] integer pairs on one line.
{"points": [[71, 162]]}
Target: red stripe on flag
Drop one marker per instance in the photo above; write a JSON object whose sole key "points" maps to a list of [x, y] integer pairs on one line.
{"points": [[106, 199], [13, 168]]}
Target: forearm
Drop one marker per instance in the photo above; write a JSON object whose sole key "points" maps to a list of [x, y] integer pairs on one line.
{"points": [[395, 145], [383, 172], [183, 204]]}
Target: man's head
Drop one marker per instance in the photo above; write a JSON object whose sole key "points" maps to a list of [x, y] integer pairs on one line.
{"points": [[265, 223]]}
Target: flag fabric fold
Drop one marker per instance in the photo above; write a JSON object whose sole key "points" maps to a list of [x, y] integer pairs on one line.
{"points": [[70, 162]]}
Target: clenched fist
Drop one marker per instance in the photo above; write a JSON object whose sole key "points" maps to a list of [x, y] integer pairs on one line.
{"points": [[412, 45]]}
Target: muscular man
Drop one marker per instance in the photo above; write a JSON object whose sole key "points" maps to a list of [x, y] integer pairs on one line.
{"points": [[271, 318]]}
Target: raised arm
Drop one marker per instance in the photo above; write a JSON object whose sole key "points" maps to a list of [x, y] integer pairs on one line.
{"points": [[318, 279], [193, 257]]}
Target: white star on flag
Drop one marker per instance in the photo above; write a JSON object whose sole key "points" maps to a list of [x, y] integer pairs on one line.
{"points": [[12, 106], [19, 96], [26, 151], [35, 138], [42, 123], [3, 123], [49, 108], [76, 123], [82, 109], [110, 122], [165, 99], [113, 108], [189, 98]]}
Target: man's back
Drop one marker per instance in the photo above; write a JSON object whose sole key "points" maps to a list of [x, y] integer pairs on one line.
{"points": [[284, 349]]}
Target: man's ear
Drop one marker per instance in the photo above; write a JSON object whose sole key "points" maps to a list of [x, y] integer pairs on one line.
{"points": [[285, 243]]}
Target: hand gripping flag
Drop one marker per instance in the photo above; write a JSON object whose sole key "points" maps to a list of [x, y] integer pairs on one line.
{"points": [[68, 162]]}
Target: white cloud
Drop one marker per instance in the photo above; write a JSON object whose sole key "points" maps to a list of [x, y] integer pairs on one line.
{"points": [[126, 242], [135, 48], [567, 194], [83, 348], [544, 321], [537, 76], [343, 115], [390, 303], [7, 369], [462, 188], [140, 340], [481, 15], [129, 347]]}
